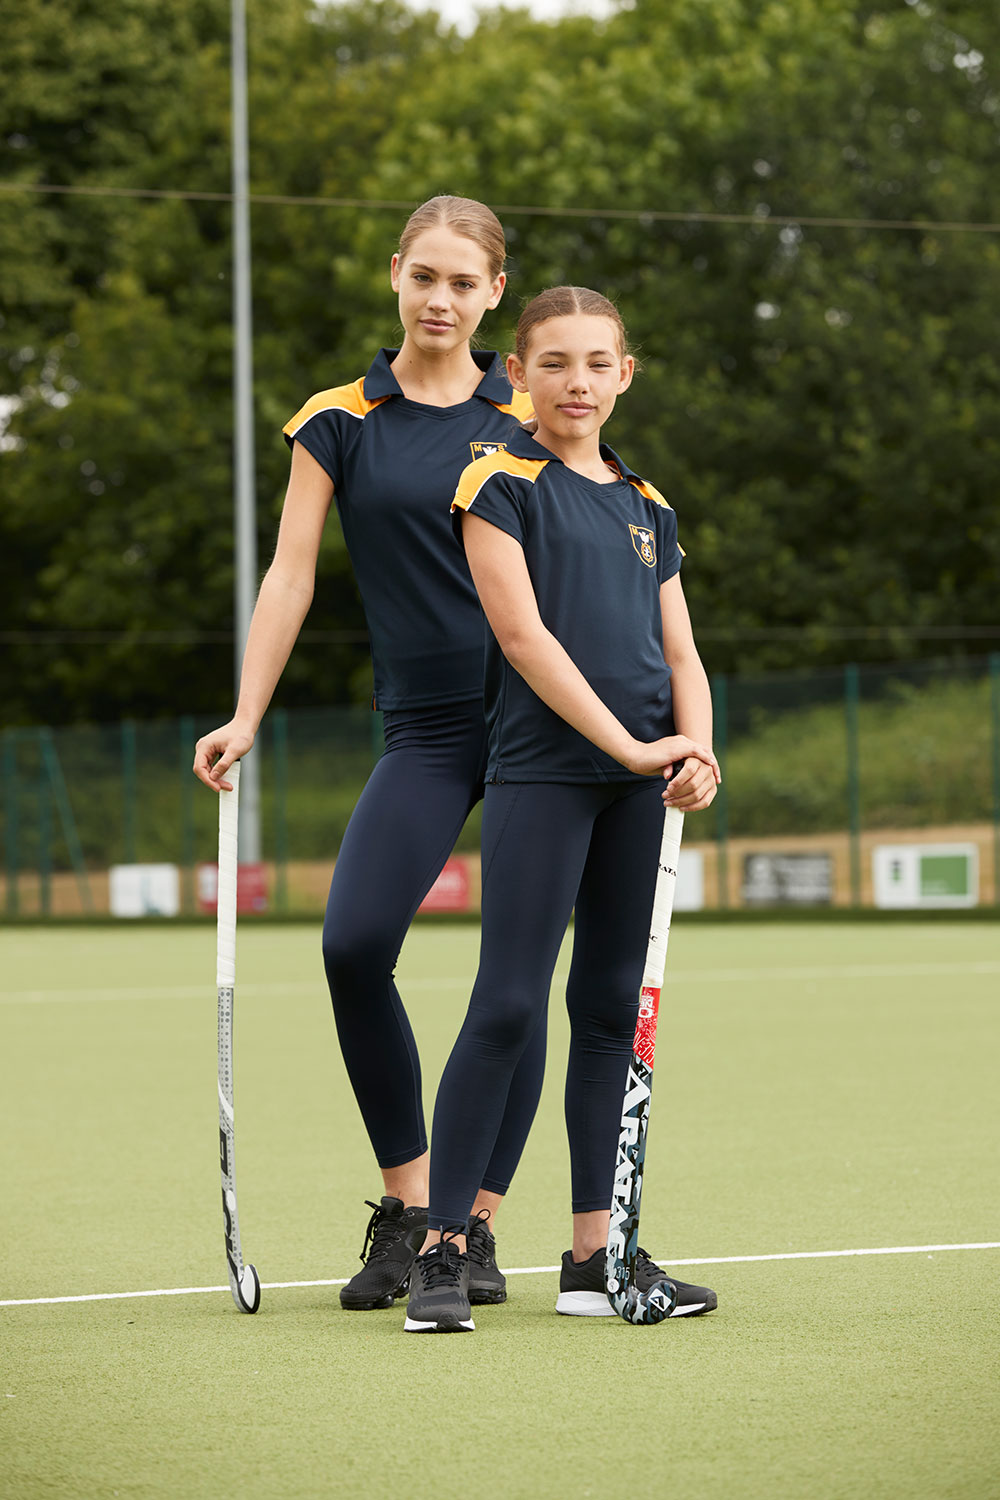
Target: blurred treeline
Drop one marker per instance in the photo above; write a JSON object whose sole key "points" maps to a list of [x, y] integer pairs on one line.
{"points": [[820, 404]]}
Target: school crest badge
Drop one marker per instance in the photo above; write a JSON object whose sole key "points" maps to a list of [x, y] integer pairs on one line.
{"points": [[645, 544], [487, 450]]}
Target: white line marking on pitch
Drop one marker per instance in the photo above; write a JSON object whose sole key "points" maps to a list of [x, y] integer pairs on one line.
{"points": [[717, 1260], [152, 992], [676, 976]]}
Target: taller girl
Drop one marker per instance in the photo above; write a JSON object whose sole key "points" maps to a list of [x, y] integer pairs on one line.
{"points": [[389, 448]]}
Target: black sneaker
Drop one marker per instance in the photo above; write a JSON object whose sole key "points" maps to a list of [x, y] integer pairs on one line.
{"points": [[582, 1291], [439, 1291], [487, 1283], [394, 1235]]}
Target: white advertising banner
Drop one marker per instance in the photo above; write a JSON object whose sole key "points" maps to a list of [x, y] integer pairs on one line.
{"points": [[145, 890], [689, 893], [925, 875]]}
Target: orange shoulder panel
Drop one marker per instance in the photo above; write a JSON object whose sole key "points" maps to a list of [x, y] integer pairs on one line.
{"points": [[476, 474], [521, 406], [651, 493], [349, 398]]}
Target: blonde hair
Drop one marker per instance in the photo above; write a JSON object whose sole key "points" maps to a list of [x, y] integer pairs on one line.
{"points": [[467, 217], [562, 302]]}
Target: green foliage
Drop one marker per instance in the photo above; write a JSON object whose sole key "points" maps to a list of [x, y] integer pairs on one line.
{"points": [[819, 403], [926, 753]]}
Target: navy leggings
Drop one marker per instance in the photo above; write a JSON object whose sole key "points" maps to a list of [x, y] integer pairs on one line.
{"points": [[400, 834], [547, 848]]}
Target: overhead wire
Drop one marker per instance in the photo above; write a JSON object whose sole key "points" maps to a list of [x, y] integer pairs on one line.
{"points": [[641, 215], [652, 215]]}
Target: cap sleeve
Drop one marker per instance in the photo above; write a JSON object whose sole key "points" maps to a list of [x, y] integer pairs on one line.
{"points": [[668, 552], [327, 422], [494, 495]]}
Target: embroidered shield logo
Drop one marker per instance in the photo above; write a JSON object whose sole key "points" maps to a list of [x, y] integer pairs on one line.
{"points": [[644, 543], [487, 450]]}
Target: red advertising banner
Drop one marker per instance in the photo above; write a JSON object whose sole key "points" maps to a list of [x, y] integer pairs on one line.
{"points": [[450, 892], [251, 888]]}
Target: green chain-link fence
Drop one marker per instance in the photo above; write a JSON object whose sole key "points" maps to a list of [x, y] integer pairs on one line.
{"points": [[817, 766]]}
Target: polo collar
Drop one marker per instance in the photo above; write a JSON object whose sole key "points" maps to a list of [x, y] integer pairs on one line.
{"points": [[521, 444], [494, 386]]}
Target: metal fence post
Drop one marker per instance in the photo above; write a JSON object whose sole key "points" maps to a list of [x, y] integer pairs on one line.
{"points": [[851, 695], [128, 791], [188, 785], [10, 820], [720, 736], [60, 794], [44, 835], [279, 728], [995, 704]]}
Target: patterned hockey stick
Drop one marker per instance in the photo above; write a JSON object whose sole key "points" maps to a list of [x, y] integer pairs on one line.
{"points": [[243, 1279], [657, 1302]]}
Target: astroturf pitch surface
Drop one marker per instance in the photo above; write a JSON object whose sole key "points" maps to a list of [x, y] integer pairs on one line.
{"points": [[818, 1089]]}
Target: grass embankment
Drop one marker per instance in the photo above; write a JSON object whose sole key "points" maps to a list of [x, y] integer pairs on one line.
{"points": [[925, 759]]}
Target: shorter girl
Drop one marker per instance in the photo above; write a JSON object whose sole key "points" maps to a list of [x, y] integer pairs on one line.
{"points": [[591, 671]]}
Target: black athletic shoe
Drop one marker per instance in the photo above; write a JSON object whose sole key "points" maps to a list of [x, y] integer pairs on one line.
{"points": [[582, 1291], [487, 1283], [439, 1291], [392, 1239]]}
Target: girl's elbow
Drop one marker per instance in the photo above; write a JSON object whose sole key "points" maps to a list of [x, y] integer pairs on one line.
{"points": [[683, 658], [518, 646], [291, 594]]}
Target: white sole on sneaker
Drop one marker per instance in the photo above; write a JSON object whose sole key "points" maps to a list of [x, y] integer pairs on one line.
{"points": [[596, 1305], [448, 1324], [585, 1305]]}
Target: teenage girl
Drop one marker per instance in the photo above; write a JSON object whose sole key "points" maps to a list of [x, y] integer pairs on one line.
{"points": [[389, 449], [591, 671]]}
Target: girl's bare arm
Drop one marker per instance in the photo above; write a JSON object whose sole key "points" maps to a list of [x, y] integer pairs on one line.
{"points": [[282, 604], [693, 788]]}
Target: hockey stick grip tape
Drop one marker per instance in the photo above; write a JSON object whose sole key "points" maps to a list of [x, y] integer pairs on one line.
{"points": [[225, 953], [663, 899]]}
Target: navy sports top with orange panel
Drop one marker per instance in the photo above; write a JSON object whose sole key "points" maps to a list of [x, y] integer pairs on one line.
{"points": [[394, 465], [597, 555]]}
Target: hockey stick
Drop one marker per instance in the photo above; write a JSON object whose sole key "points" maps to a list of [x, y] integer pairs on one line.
{"points": [[658, 1301], [243, 1280]]}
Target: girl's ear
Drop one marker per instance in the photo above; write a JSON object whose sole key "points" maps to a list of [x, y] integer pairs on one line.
{"points": [[628, 370], [515, 373], [394, 273], [496, 290]]}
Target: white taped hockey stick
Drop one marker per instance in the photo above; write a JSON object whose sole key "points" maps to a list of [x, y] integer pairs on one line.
{"points": [[243, 1280], [658, 1301]]}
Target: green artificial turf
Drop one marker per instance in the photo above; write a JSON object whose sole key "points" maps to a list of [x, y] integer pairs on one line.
{"points": [[817, 1088]]}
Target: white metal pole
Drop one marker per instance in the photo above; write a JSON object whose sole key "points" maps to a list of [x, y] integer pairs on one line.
{"points": [[245, 496]]}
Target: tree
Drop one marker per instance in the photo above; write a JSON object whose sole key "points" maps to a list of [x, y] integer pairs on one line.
{"points": [[820, 403], [118, 338]]}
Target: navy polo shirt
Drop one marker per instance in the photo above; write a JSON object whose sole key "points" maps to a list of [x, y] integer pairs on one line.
{"points": [[394, 465], [597, 555]]}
